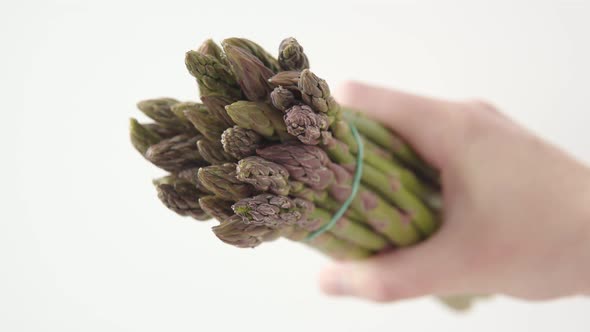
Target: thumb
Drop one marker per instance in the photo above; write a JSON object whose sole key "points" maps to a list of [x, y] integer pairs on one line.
{"points": [[428, 268]]}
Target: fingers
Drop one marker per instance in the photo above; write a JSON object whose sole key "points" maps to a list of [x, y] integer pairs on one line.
{"points": [[424, 122], [425, 269]]}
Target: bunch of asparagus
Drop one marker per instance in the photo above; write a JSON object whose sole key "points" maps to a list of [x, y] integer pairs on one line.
{"points": [[269, 153]]}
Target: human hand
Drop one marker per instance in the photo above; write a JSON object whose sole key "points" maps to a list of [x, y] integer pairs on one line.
{"points": [[516, 217]]}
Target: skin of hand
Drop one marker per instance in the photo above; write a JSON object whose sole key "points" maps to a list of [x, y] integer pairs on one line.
{"points": [[516, 217]]}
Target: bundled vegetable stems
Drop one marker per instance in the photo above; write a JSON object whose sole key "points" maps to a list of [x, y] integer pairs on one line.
{"points": [[269, 153]]}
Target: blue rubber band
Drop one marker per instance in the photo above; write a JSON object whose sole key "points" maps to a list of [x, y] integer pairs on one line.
{"points": [[356, 181]]}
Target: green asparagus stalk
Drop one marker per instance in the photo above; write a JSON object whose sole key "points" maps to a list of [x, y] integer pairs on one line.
{"points": [[282, 98], [210, 48], [191, 175], [326, 243], [142, 136], [217, 85], [385, 138], [311, 166], [259, 117], [308, 126], [291, 55], [162, 131], [206, 123], [305, 163], [168, 179], [273, 211], [264, 175], [176, 153], [269, 177], [216, 105], [221, 180], [286, 79], [389, 188], [213, 77], [348, 230], [235, 232], [384, 163], [213, 153], [251, 74], [240, 143], [334, 247], [182, 198], [254, 49], [160, 110], [216, 207], [458, 302], [315, 92]]}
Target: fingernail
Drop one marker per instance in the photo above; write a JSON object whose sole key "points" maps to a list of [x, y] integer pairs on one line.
{"points": [[333, 281]]}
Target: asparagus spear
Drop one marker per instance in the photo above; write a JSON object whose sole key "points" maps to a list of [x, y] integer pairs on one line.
{"points": [[304, 163], [213, 77], [212, 152], [264, 175], [221, 180], [160, 110], [259, 117], [385, 138], [256, 50], [291, 55], [269, 177], [380, 160], [303, 123], [191, 175], [334, 247], [315, 92], [310, 128], [142, 136], [310, 165], [388, 187], [274, 211], [205, 121], [216, 105], [240, 143], [210, 48], [286, 79], [282, 98], [217, 85], [251, 74], [182, 198], [235, 232], [216, 207], [176, 153], [162, 131]]}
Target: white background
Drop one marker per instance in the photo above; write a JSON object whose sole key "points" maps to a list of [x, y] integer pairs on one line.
{"points": [[85, 244]]}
